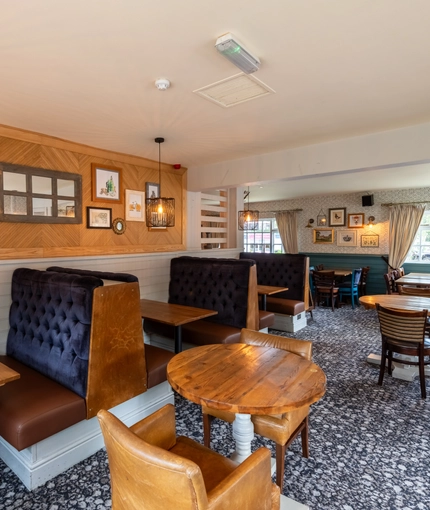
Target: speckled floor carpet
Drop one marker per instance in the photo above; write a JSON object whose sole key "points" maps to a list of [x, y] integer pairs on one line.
{"points": [[369, 445]]}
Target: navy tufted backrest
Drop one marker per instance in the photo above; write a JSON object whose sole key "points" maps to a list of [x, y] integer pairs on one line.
{"points": [[50, 322], [104, 275], [280, 270], [215, 284]]}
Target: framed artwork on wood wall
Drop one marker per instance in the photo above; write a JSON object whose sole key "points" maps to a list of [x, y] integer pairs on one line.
{"points": [[134, 205], [106, 183], [99, 217]]}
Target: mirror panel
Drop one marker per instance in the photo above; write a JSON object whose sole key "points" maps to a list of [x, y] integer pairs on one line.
{"points": [[14, 182], [66, 208], [41, 185], [42, 207], [15, 205], [65, 188]]}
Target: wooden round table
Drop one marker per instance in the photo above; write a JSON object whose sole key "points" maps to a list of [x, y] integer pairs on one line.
{"points": [[402, 301], [246, 379]]}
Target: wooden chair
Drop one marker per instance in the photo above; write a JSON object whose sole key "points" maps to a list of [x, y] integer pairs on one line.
{"points": [[325, 287], [351, 288], [390, 283], [403, 332], [363, 281], [153, 469], [282, 429], [410, 290]]}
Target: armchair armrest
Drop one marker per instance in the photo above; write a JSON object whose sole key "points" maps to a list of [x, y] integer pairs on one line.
{"points": [[247, 486], [159, 428], [302, 348]]}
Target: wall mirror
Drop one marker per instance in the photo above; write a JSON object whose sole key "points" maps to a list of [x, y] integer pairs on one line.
{"points": [[37, 195]]}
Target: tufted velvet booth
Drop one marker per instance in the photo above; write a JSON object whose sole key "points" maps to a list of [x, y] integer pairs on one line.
{"points": [[225, 285], [103, 275], [78, 345], [283, 270]]}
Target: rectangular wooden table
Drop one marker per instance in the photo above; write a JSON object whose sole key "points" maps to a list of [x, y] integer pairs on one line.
{"points": [[417, 279], [337, 272], [268, 290], [174, 315], [7, 374]]}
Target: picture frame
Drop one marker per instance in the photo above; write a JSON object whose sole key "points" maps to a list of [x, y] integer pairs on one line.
{"points": [[134, 205], [346, 238], [99, 217], [152, 190], [370, 241], [337, 217], [323, 236], [356, 220], [106, 183]]}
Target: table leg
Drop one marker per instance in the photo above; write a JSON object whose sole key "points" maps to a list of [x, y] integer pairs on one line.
{"points": [[400, 370], [243, 433], [178, 339], [264, 302]]}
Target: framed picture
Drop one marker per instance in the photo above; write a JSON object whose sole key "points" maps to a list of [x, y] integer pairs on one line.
{"points": [[99, 217], [356, 220], [370, 241], [337, 217], [134, 205], [106, 183], [323, 235], [347, 238], [152, 190]]}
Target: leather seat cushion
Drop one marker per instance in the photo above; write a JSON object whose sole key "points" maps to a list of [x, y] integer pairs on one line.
{"points": [[156, 364], [286, 306], [35, 407], [267, 319], [198, 332]]}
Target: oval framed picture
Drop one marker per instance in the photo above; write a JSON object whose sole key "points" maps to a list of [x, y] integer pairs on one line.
{"points": [[118, 226]]}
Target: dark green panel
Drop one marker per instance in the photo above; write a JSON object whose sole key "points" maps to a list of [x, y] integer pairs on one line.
{"points": [[375, 279]]}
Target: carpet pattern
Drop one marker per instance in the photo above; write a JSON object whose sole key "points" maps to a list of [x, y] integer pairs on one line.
{"points": [[369, 445]]}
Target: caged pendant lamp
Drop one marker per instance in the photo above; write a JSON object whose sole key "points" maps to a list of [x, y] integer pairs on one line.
{"points": [[160, 211], [248, 220]]}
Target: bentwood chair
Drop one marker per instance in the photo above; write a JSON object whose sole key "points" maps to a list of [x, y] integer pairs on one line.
{"points": [[351, 288], [403, 332], [282, 429], [325, 287], [152, 469]]}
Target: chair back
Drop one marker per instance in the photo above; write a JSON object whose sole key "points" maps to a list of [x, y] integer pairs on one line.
{"points": [[405, 326], [390, 283], [323, 279], [409, 290], [356, 276], [147, 476]]}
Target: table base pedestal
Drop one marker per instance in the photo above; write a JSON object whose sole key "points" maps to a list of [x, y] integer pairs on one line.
{"points": [[400, 371], [290, 504]]}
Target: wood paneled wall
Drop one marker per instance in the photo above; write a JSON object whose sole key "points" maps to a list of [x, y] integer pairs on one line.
{"points": [[22, 240]]}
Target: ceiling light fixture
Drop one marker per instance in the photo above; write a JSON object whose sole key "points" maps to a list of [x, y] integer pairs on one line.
{"points": [[234, 51], [248, 220], [160, 211]]}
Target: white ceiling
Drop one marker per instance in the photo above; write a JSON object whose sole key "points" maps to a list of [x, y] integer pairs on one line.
{"points": [[85, 71]]}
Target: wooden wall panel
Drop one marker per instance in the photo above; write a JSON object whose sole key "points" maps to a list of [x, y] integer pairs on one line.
{"points": [[22, 240]]}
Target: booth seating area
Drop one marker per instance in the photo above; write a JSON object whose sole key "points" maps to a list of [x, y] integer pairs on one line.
{"points": [[284, 270], [228, 286], [77, 342]]}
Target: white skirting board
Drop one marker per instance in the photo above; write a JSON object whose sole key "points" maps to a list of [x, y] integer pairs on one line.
{"points": [[44, 460], [290, 323]]}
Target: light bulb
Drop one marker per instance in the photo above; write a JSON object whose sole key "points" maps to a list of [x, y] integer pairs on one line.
{"points": [[160, 208]]}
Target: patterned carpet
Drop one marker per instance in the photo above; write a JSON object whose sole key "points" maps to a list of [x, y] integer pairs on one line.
{"points": [[369, 445]]}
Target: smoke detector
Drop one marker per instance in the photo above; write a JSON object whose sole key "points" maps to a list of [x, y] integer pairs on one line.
{"points": [[162, 84]]}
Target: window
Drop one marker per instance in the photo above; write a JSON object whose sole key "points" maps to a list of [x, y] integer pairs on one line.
{"points": [[265, 239], [420, 249]]}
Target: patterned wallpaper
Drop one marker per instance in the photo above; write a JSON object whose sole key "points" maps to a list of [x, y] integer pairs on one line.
{"points": [[352, 201]]}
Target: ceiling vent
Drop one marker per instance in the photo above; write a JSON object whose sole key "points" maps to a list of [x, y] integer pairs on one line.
{"points": [[235, 90]]}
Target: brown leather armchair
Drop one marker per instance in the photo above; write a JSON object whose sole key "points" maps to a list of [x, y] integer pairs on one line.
{"points": [[282, 429], [151, 468]]}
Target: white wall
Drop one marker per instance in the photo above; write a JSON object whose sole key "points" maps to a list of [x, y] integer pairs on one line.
{"points": [[400, 147]]}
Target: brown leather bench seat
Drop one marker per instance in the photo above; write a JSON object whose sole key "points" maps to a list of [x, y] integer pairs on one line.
{"points": [[286, 306]]}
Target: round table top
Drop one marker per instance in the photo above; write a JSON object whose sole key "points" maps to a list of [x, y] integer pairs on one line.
{"points": [[243, 378], [401, 301]]}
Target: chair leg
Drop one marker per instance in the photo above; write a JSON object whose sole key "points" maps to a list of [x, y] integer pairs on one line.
{"points": [[280, 464], [422, 376], [390, 362], [382, 368], [207, 421], [305, 438]]}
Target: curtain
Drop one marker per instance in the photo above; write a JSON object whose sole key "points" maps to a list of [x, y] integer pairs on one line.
{"points": [[404, 223], [287, 225]]}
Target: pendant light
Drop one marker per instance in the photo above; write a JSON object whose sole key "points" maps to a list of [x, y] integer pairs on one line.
{"points": [[160, 211], [248, 220]]}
